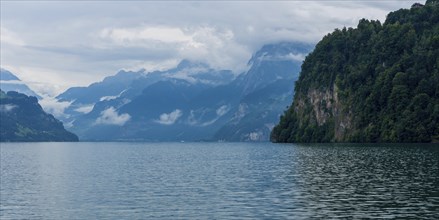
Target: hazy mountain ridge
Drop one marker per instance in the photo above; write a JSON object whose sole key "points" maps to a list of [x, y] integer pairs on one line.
{"points": [[191, 101]]}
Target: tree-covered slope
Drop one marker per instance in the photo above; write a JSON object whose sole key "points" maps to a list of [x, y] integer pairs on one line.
{"points": [[23, 119], [375, 83]]}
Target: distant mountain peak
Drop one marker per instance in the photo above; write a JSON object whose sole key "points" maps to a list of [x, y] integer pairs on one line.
{"points": [[185, 63], [273, 62], [281, 50], [5, 75]]}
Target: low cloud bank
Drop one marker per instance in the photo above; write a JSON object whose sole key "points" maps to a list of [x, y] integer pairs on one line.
{"points": [[111, 117]]}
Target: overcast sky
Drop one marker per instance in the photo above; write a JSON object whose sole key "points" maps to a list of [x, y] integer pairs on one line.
{"points": [[54, 45]]}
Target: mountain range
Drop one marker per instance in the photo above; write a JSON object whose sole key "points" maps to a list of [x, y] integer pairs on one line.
{"points": [[191, 102]]}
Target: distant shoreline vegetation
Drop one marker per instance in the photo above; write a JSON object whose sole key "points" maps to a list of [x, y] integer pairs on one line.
{"points": [[374, 83]]}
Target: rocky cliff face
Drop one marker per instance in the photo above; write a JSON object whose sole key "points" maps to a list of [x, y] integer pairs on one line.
{"points": [[326, 108]]}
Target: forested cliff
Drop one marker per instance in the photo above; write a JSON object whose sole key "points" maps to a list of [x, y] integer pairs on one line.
{"points": [[374, 83]]}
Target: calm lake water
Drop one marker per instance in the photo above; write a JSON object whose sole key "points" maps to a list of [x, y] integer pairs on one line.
{"points": [[218, 181]]}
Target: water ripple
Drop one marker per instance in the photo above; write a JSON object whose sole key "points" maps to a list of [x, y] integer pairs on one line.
{"points": [[218, 181]]}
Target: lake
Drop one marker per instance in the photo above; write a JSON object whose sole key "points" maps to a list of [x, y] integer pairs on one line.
{"points": [[218, 181]]}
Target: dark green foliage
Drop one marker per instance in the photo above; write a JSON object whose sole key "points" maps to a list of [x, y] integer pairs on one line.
{"points": [[23, 119], [386, 77]]}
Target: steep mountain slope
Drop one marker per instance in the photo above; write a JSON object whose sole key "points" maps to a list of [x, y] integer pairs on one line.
{"points": [[375, 83], [10, 82], [23, 119]]}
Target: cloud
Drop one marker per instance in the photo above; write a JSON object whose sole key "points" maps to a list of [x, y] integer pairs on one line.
{"points": [[132, 36], [5, 108], [188, 73], [77, 43], [68, 124], [216, 46], [171, 118], [202, 43], [109, 98], [9, 37], [207, 123], [191, 119], [222, 110], [296, 57], [219, 112], [19, 82], [198, 121], [52, 106], [111, 117], [299, 57], [85, 109]]}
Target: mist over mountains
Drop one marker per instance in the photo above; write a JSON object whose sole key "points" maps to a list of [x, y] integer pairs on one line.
{"points": [[191, 102], [10, 82]]}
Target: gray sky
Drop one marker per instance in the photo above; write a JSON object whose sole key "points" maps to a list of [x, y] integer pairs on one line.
{"points": [[54, 45]]}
